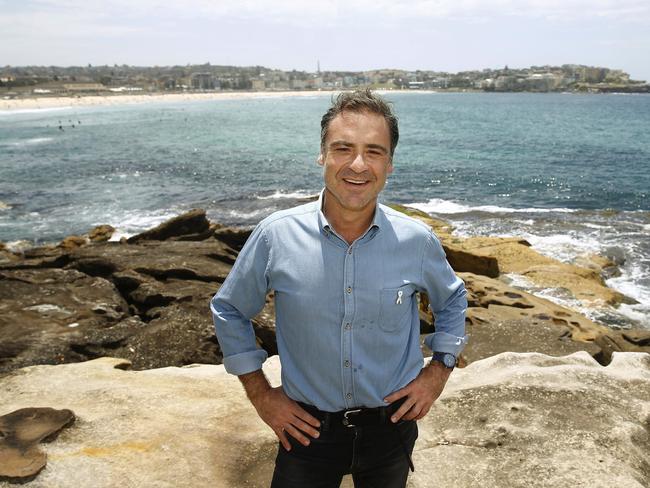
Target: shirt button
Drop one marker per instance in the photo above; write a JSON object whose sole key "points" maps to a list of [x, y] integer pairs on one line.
{"points": [[347, 364], [349, 396], [350, 251], [348, 326], [349, 290]]}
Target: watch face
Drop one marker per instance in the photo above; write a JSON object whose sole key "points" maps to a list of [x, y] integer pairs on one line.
{"points": [[449, 360]]}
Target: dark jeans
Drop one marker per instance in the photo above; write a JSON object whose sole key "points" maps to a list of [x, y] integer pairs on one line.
{"points": [[375, 456]]}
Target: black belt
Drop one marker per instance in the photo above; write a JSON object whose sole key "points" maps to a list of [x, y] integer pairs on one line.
{"points": [[354, 417], [359, 417]]}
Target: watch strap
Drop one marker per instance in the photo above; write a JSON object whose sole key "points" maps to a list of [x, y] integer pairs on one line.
{"points": [[448, 360]]}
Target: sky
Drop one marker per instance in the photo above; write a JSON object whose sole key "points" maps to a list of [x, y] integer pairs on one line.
{"points": [[355, 35]]}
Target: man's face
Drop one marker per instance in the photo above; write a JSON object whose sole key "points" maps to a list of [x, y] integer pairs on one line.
{"points": [[356, 160]]}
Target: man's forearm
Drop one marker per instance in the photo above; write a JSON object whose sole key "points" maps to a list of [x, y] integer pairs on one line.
{"points": [[255, 384], [437, 373]]}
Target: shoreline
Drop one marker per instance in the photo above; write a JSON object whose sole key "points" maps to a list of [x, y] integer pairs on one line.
{"points": [[36, 103], [42, 103], [16, 105]]}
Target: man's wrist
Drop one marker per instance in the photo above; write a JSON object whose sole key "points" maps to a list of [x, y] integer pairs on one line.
{"points": [[447, 360], [255, 384]]}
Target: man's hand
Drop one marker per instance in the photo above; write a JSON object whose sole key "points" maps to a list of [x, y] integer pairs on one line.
{"points": [[280, 412], [420, 393]]}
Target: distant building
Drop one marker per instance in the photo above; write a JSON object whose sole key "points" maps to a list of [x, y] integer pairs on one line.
{"points": [[298, 84], [84, 87], [315, 83], [258, 85], [280, 85], [202, 81], [543, 82]]}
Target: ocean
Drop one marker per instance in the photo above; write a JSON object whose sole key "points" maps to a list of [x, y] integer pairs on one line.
{"points": [[568, 172]]}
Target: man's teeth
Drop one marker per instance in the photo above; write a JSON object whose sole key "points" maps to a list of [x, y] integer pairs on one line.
{"points": [[355, 182]]}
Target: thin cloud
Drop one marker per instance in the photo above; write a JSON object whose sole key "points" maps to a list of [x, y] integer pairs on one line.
{"points": [[319, 11]]}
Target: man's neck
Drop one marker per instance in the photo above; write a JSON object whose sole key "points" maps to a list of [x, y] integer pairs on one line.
{"points": [[349, 224]]}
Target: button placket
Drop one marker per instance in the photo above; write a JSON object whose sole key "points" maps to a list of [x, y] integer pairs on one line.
{"points": [[346, 339]]}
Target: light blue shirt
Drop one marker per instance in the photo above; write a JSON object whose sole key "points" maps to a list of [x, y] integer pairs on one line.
{"points": [[347, 323]]}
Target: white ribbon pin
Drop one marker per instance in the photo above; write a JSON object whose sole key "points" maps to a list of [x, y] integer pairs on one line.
{"points": [[399, 297]]}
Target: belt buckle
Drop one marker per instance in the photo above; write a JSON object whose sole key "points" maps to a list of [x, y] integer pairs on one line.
{"points": [[346, 419]]}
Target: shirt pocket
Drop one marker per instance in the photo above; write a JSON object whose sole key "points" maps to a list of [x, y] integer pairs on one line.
{"points": [[395, 307]]}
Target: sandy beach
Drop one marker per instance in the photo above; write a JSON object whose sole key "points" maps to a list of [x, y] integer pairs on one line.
{"points": [[35, 103], [96, 100]]}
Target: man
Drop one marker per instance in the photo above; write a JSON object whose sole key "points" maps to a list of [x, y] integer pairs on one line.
{"points": [[345, 271]]}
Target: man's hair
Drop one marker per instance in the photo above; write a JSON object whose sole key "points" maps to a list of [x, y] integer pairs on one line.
{"points": [[360, 101]]}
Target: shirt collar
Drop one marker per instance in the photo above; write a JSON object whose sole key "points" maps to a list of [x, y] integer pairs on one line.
{"points": [[377, 221]]}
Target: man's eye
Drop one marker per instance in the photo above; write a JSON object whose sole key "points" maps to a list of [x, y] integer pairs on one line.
{"points": [[342, 149]]}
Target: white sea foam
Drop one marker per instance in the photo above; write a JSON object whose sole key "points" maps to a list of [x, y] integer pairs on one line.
{"points": [[519, 281], [27, 142], [630, 283], [638, 313], [440, 206], [247, 215], [19, 246], [559, 296], [119, 234], [280, 195], [22, 111], [564, 247], [135, 222], [5, 206]]}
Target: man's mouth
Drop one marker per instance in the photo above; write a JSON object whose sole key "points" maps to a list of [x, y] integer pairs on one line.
{"points": [[353, 181]]}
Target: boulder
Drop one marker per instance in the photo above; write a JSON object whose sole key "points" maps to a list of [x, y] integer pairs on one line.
{"points": [[72, 242], [101, 233], [192, 225], [520, 420], [477, 263], [6, 256], [21, 431]]}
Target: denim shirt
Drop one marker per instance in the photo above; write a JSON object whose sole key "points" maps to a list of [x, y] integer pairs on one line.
{"points": [[347, 322]]}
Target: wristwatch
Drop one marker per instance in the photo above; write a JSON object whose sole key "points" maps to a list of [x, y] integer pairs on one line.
{"points": [[448, 360]]}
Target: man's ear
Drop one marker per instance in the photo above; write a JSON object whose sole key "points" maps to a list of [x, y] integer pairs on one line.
{"points": [[389, 169], [320, 160]]}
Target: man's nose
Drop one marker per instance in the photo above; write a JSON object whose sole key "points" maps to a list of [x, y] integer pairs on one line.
{"points": [[359, 164]]}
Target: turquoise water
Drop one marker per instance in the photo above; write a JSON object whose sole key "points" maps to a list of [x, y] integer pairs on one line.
{"points": [[568, 172]]}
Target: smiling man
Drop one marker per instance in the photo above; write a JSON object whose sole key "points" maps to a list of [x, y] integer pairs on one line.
{"points": [[345, 271]]}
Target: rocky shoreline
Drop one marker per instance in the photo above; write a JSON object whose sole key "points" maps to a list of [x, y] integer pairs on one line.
{"points": [[100, 342], [145, 299]]}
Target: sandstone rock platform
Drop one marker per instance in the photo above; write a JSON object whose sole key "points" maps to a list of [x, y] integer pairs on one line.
{"points": [[509, 421]]}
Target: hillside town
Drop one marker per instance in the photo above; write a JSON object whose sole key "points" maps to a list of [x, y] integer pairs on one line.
{"points": [[29, 81]]}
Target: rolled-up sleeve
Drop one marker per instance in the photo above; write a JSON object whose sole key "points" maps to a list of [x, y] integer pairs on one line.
{"points": [[447, 298], [239, 299]]}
